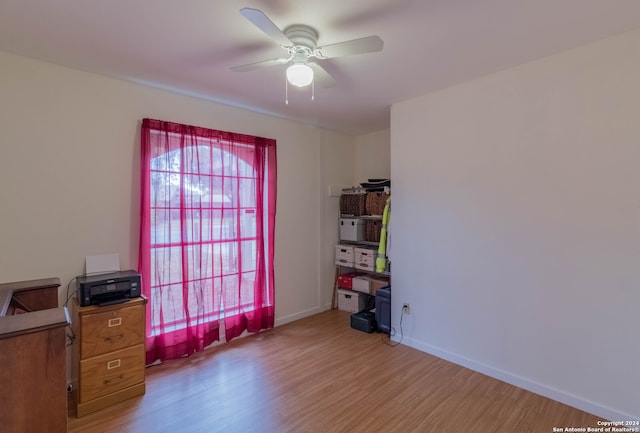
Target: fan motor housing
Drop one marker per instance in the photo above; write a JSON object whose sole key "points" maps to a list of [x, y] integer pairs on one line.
{"points": [[302, 36]]}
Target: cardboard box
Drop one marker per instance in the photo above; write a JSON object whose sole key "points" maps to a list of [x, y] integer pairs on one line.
{"points": [[344, 255], [365, 258], [367, 284], [377, 284], [348, 300], [361, 284], [346, 280]]}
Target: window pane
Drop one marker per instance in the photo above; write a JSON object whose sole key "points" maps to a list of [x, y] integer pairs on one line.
{"points": [[199, 261], [165, 189], [216, 161], [229, 163], [169, 161], [200, 301], [247, 192], [248, 223], [247, 294], [197, 160], [229, 225], [231, 300], [224, 192], [216, 260], [166, 265], [167, 305], [248, 255], [228, 258], [197, 190], [159, 220], [197, 226], [245, 164], [166, 226]]}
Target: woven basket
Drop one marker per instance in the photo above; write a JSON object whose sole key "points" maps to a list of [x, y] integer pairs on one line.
{"points": [[352, 204], [376, 202], [372, 230]]}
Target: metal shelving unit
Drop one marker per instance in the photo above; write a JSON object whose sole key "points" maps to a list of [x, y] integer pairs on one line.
{"points": [[339, 268]]}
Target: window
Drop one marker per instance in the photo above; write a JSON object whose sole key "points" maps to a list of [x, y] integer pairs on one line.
{"points": [[207, 226]]}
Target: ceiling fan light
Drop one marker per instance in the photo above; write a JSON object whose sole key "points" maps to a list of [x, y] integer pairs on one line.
{"points": [[299, 74]]}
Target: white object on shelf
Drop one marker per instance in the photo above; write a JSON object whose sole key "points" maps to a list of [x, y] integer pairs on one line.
{"points": [[368, 285], [351, 229], [361, 284], [353, 302], [364, 258], [344, 255]]}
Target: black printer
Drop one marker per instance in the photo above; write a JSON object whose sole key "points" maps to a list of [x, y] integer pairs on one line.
{"points": [[109, 288]]}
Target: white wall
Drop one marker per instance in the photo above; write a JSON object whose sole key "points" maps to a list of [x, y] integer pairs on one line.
{"points": [[69, 176], [517, 215], [339, 172], [372, 153]]}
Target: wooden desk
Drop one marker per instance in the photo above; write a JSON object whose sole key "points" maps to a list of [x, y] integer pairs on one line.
{"points": [[32, 358]]}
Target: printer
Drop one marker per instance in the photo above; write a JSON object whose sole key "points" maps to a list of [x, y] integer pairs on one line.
{"points": [[108, 288]]}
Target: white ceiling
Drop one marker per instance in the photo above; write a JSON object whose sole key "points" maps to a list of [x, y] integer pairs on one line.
{"points": [[189, 46]]}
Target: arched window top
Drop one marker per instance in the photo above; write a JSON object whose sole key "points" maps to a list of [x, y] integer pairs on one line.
{"points": [[210, 158]]}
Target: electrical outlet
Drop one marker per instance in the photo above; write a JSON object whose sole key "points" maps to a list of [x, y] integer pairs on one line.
{"points": [[406, 309]]}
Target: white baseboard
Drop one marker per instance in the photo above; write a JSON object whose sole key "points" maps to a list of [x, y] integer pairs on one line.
{"points": [[326, 307], [301, 315], [575, 401]]}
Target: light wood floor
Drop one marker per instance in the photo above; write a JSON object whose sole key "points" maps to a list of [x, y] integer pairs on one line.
{"points": [[319, 375]]}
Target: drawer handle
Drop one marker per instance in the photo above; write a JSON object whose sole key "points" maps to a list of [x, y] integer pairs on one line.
{"points": [[115, 322], [113, 338], [113, 364], [115, 379]]}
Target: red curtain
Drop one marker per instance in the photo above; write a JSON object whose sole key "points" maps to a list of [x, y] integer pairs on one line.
{"points": [[207, 220]]}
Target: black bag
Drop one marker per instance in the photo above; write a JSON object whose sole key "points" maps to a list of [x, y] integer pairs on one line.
{"points": [[364, 321]]}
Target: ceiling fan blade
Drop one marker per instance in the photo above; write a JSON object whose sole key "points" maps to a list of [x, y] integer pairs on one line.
{"points": [[321, 76], [369, 44], [261, 21], [258, 65]]}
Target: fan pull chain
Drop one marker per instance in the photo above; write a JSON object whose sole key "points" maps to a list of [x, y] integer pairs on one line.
{"points": [[313, 90], [286, 90]]}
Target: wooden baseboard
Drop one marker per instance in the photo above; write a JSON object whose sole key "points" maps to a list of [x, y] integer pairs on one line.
{"points": [[83, 409]]}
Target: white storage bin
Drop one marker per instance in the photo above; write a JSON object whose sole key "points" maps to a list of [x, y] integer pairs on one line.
{"points": [[344, 255], [353, 302], [365, 258], [351, 229]]}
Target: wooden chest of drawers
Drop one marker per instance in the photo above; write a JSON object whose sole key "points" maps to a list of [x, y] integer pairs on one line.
{"points": [[109, 354]]}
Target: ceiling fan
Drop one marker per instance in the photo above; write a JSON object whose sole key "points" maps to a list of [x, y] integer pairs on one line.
{"points": [[300, 42]]}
